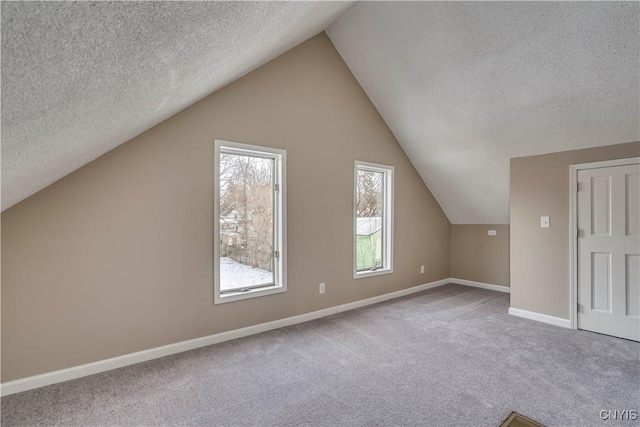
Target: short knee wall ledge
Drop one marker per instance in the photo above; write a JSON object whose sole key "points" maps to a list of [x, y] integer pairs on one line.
{"points": [[36, 381], [545, 318]]}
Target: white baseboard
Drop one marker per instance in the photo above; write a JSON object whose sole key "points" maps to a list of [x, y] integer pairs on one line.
{"points": [[545, 318], [482, 285], [62, 375], [28, 383]]}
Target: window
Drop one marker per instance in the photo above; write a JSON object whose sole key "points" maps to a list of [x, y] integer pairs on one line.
{"points": [[250, 227], [373, 220]]}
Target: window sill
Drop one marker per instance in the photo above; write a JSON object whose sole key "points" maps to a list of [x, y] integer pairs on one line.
{"points": [[369, 273], [254, 293]]}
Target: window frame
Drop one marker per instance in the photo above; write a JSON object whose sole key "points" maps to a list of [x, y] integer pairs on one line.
{"points": [[279, 220], [387, 218]]}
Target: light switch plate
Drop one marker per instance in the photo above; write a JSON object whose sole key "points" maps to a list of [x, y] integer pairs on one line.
{"points": [[544, 222], [492, 232]]}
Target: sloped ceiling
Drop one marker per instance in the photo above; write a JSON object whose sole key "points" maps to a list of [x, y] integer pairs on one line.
{"points": [[80, 78], [466, 86], [463, 85]]}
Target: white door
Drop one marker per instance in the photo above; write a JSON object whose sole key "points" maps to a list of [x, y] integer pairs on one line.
{"points": [[609, 250]]}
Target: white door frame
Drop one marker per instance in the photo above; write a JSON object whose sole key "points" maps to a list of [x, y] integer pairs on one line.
{"points": [[573, 227]]}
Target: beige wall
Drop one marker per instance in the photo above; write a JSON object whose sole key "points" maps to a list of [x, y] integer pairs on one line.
{"points": [[540, 256], [479, 257], [117, 257]]}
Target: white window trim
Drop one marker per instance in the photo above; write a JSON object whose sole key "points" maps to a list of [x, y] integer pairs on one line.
{"points": [[280, 221], [388, 172]]}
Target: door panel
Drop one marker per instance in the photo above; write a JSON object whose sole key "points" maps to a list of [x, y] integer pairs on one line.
{"points": [[632, 286], [601, 205], [633, 210], [608, 204], [600, 281]]}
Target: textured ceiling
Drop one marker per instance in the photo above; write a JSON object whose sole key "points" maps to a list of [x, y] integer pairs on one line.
{"points": [[466, 86], [80, 78], [463, 86]]}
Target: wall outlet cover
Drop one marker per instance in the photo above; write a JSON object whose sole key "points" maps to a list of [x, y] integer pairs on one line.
{"points": [[544, 222]]}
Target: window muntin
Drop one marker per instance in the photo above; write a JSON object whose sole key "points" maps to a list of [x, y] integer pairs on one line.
{"points": [[249, 228], [373, 219]]}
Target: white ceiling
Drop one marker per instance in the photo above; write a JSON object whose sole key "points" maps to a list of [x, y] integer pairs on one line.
{"points": [[463, 86], [80, 78], [466, 86]]}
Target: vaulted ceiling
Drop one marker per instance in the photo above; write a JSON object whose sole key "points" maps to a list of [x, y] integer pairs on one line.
{"points": [[80, 78], [463, 86], [466, 86]]}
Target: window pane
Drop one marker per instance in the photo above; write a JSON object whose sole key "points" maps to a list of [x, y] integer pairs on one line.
{"points": [[246, 221], [369, 220]]}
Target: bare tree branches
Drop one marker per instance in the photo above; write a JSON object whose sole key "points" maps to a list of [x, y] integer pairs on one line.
{"points": [[369, 193], [246, 209]]}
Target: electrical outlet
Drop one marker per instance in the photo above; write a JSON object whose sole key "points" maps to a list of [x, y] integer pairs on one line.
{"points": [[422, 269], [492, 232], [321, 288]]}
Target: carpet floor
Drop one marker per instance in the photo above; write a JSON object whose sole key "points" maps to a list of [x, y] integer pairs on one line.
{"points": [[449, 356]]}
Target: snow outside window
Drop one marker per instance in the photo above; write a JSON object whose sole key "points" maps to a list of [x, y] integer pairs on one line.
{"points": [[249, 226]]}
